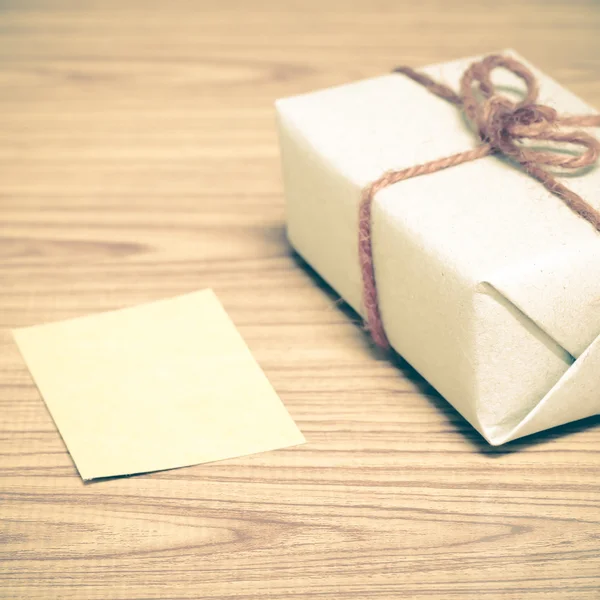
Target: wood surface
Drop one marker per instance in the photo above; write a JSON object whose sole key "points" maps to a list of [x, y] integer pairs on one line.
{"points": [[138, 160]]}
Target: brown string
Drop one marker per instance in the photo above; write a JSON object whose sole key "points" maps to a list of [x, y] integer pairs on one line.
{"points": [[501, 124]]}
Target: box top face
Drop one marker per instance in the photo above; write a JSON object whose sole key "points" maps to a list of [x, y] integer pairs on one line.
{"points": [[391, 122], [487, 220]]}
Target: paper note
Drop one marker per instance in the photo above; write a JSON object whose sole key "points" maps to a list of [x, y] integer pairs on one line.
{"points": [[157, 386]]}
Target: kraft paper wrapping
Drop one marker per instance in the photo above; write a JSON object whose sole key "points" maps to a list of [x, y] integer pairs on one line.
{"points": [[156, 386], [488, 284]]}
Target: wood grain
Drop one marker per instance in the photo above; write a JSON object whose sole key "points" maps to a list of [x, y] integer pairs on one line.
{"points": [[138, 160]]}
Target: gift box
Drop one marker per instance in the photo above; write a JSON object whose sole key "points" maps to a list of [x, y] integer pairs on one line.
{"points": [[488, 283]]}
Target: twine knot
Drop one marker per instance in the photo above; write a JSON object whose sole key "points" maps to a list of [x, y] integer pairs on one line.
{"points": [[503, 126], [501, 121]]}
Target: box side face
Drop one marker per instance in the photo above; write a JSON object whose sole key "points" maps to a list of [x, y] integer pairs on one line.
{"points": [[426, 315], [321, 213], [426, 307], [537, 372]]}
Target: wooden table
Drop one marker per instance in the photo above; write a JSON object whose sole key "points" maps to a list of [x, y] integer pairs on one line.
{"points": [[139, 161]]}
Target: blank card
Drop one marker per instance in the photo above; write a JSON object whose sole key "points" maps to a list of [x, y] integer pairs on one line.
{"points": [[153, 387]]}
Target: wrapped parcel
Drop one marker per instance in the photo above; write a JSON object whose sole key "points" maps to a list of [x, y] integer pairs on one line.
{"points": [[488, 284]]}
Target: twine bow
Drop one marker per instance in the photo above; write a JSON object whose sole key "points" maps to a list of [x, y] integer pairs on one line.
{"points": [[502, 125]]}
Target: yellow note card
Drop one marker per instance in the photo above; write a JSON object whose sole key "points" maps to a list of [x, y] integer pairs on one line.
{"points": [[156, 386]]}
